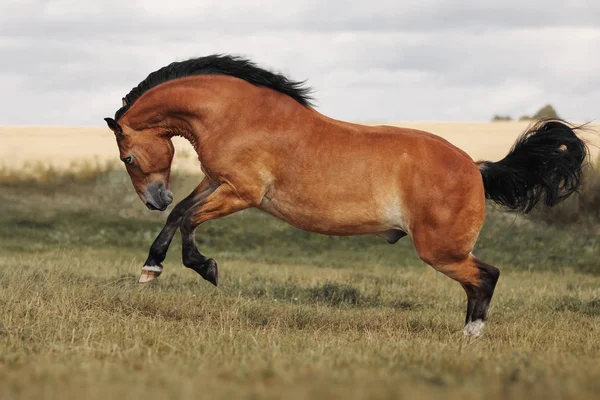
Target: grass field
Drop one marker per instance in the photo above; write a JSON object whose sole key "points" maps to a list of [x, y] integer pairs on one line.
{"points": [[296, 315]]}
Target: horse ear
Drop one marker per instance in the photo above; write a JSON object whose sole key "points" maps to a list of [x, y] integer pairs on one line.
{"points": [[114, 126], [124, 101]]}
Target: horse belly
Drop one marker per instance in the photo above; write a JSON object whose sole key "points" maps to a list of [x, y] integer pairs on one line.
{"points": [[344, 217]]}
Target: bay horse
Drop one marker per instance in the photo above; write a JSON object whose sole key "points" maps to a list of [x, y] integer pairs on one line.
{"points": [[261, 144]]}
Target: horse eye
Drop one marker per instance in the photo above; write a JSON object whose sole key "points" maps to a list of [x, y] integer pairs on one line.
{"points": [[127, 160]]}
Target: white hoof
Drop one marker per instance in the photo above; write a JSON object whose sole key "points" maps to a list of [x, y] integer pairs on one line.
{"points": [[474, 329], [149, 273]]}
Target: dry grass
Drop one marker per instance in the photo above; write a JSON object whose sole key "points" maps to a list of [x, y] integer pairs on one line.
{"points": [[492, 140], [59, 146], [318, 317], [62, 147], [76, 325]]}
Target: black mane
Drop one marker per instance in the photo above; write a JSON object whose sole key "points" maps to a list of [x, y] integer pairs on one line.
{"points": [[218, 64]]}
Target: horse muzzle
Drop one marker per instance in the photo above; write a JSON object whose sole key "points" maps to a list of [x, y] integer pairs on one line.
{"points": [[157, 197]]}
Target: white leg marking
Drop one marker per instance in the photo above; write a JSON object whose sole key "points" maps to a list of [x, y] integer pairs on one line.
{"points": [[153, 268], [474, 328]]}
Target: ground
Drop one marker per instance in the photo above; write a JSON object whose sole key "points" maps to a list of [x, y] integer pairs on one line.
{"points": [[296, 315]]}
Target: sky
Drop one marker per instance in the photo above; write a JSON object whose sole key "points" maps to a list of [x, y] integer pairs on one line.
{"points": [[66, 62]]}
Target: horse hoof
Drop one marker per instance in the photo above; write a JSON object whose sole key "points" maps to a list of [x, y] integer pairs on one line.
{"points": [[149, 273], [211, 271]]}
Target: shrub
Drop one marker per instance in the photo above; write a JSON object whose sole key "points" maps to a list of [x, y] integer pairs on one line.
{"points": [[546, 112]]}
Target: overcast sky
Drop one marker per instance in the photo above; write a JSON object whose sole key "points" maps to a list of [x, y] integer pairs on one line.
{"points": [[70, 62]]}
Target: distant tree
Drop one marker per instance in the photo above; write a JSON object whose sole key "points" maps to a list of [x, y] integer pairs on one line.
{"points": [[501, 118], [546, 112]]}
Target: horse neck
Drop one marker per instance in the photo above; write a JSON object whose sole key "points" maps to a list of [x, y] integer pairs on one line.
{"points": [[158, 117], [195, 109]]}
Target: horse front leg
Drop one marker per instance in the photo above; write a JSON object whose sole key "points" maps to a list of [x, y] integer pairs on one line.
{"points": [[158, 251], [224, 201]]}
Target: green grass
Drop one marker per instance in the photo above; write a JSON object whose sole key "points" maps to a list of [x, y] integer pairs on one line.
{"points": [[106, 212], [296, 315]]}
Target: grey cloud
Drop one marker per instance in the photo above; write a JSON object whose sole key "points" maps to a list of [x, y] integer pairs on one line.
{"points": [[115, 18], [378, 60]]}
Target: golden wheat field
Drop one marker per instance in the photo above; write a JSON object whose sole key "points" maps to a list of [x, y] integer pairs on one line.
{"points": [[296, 315], [60, 146]]}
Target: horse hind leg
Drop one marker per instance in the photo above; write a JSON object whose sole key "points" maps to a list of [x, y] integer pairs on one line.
{"points": [[479, 295], [444, 238], [479, 281]]}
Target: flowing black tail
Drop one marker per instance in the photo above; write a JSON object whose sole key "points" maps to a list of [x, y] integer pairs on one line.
{"points": [[545, 164]]}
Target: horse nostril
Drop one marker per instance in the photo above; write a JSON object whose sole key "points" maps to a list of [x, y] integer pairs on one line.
{"points": [[167, 196]]}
